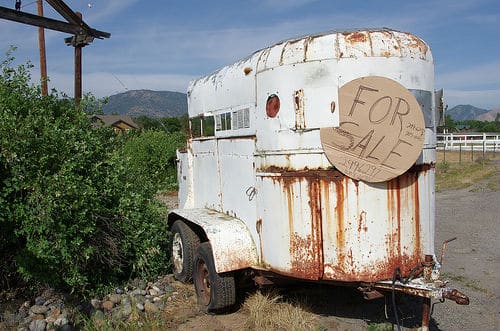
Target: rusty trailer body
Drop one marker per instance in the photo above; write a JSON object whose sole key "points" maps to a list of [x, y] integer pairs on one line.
{"points": [[314, 159]]}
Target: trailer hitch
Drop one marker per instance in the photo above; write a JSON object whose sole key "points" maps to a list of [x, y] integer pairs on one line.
{"points": [[456, 295]]}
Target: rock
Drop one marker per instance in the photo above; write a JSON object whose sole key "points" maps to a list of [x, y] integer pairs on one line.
{"points": [[95, 303], [39, 301], [21, 314], [122, 312], [38, 317], [150, 307], [38, 325], [54, 315], [153, 292], [61, 321], [98, 318], [49, 302], [119, 290], [108, 305], [115, 298], [126, 310], [67, 327], [126, 300], [23, 328], [142, 284], [38, 309], [139, 306]]}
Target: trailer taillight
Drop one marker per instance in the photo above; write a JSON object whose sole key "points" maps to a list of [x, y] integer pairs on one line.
{"points": [[272, 105]]}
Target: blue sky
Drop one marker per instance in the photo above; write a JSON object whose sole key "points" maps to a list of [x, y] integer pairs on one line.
{"points": [[162, 45]]}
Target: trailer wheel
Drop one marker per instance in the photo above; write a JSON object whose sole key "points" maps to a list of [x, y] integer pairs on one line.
{"points": [[182, 248], [216, 292]]}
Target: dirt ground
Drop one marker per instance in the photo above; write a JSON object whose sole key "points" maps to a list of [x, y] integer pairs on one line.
{"points": [[471, 263]]}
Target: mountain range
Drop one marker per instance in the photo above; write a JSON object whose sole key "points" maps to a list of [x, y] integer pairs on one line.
{"points": [[147, 103], [468, 112], [173, 104]]}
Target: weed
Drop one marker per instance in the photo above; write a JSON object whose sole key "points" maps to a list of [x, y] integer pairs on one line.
{"points": [[269, 312]]}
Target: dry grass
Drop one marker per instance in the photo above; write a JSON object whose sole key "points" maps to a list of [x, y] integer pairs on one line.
{"points": [[465, 156], [270, 312], [458, 171]]}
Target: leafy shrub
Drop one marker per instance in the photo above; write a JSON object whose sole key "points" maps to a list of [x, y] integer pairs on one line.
{"points": [[72, 214], [150, 157]]}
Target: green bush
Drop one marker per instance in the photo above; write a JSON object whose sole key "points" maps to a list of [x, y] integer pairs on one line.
{"points": [[73, 212], [150, 157]]}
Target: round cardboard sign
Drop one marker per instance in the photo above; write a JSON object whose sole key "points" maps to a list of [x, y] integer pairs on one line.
{"points": [[381, 130]]}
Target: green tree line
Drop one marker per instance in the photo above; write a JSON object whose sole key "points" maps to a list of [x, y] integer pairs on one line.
{"points": [[475, 125]]}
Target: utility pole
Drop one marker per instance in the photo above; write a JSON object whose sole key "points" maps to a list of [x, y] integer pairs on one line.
{"points": [[78, 68], [43, 59], [82, 35]]}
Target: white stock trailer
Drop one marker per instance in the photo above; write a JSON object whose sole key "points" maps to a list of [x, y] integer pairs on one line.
{"points": [[313, 159]]}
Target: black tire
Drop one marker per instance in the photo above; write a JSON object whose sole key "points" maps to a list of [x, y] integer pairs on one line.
{"points": [[216, 292], [183, 246]]}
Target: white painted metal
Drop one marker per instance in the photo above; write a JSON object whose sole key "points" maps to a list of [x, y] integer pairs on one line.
{"points": [[304, 224], [228, 236]]}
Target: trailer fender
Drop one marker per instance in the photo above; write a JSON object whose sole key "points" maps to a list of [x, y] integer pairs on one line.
{"points": [[232, 244]]}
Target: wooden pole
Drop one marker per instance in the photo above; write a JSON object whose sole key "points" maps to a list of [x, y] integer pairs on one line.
{"points": [[78, 70], [43, 59]]}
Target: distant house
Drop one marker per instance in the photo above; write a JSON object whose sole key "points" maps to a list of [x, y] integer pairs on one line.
{"points": [[462, 128], [119, 123]]}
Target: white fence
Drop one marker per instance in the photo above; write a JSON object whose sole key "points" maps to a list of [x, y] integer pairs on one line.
{"points": [[481, 142]]}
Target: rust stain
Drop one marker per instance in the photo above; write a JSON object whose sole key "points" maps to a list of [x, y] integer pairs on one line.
{"points": [[306, 251], [304, 257], [362, 223], [289, 200], [258, 227], [387, 54], [235, 262], [355, 37], [380, 270], [417, 247], [316, 221]]}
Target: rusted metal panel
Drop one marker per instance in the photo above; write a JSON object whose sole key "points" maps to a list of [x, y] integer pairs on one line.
{"points": [[384, 44], [328, 221], [232, 243]]}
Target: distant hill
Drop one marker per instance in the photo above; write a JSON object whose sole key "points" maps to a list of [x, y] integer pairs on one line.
{"points": [[489, 116], [465, 112], [148, 103]]}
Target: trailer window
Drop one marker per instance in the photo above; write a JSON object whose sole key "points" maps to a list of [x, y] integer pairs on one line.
{"points": [[239, 119], [202, 126], [223, 122]]}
